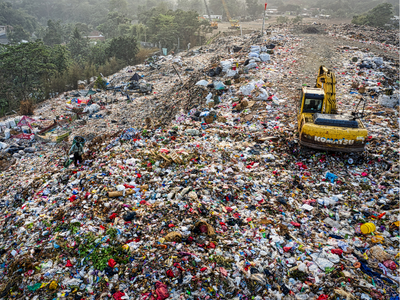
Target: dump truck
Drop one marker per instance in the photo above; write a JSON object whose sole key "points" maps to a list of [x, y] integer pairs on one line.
{"points": [[319, 124]]}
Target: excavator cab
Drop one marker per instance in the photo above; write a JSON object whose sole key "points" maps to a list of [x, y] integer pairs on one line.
{"points": [[311, 101], [234, 24]]}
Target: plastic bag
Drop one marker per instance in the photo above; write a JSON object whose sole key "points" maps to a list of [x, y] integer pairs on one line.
{"points": [[247, 89], [3, 145], [265, 57], [92, 108], [7, 134], [209, 97], [251, 66], [330, 176], [231, 73], [255, 48], [226, 65], [378, 60], [325, 201], [263, 95], [218, 85], [161, 291], [254, 54], [321, 261], [202, 82]]}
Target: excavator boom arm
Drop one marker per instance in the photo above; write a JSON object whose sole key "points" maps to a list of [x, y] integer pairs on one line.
{"points": [[327, 81], [226, 10]]}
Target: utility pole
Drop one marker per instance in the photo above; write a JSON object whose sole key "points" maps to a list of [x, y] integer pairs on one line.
{"points": [[262, 30]]}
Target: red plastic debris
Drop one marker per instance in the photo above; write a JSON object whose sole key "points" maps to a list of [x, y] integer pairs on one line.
{"points": [[111, 263]]}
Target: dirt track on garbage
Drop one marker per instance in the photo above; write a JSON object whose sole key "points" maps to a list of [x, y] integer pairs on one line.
{"points": [[321, 49]]}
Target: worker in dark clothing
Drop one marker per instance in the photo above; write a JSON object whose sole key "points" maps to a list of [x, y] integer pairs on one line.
{"points": [[77, 151]]}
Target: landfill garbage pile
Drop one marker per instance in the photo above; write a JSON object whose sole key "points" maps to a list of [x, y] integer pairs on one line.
{"points": [[200, 189], [384, 42], [388, 38]]}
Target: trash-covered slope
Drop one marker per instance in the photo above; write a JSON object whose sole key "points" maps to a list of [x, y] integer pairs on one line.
{"points": [[196, 187]]}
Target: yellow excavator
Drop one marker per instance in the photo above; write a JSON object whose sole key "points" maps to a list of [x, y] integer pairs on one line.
{"points": [[234, 23], [213, 24], [319, 124]]}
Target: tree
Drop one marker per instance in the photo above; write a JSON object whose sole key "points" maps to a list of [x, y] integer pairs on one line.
{"points": [[110, 28], [380, 15], [79, 47], [18, 34], [60, 58], [23, 69], [83, 28], [119, 6], [99, 54], [164, 29], [53, 34], [297, 19], [100, 83], [253, 8], [187, 24], [146, 17], [124, 48], [139, 31], [167, 27], [12, 17], [377, 17]]}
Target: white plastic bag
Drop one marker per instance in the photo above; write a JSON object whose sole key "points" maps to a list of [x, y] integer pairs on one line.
{"points": [[231, 73], [263, 94], [12, 123], [251, 65], [202, 82], [265, 57], [218, 85], [209, 98], [7, 134], [378, 60], [3, 145], [92, 108], [255, 48], [226, 65], [247, 89]]}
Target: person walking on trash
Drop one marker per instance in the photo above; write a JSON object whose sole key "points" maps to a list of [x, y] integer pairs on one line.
{"points": [[77, 150]]}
